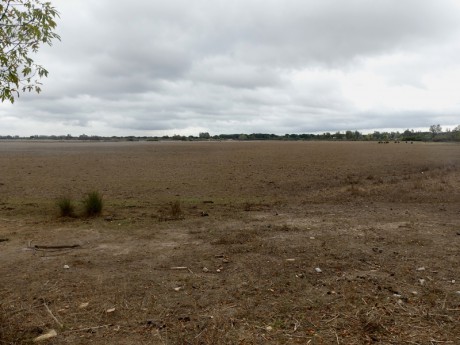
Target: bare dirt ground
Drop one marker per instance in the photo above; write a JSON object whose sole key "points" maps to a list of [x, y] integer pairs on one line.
{"points": [[277, 243]]}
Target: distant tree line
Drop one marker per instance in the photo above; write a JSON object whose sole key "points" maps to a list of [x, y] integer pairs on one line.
{"points": [[435, 133]]}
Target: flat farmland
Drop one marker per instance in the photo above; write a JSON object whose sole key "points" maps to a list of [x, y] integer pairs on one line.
{"points": [[231, 243]]}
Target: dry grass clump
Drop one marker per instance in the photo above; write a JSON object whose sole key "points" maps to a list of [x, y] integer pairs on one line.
{"points": [[176, 210], [93, 204], [172, 211], [66, 207]]}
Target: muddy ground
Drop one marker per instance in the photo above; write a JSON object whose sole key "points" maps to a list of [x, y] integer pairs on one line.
{"points": [[268, 243]]}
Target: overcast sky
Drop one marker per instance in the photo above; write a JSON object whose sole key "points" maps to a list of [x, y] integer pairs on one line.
{"points": [[151, 67]]}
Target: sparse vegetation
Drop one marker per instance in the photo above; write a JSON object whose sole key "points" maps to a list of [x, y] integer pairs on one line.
{"points": [[171, 211], [66, 206], [381, 225], [176, 210], [93, 204]]}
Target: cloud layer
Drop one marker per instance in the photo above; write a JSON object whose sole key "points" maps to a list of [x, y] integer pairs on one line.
{"points": [[154, 67]]}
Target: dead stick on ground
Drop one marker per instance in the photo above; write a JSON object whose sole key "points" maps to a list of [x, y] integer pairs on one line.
{"points": [[54, 317], [335, 317], [444, 302], [88, 328], [57, 247], [199, 334]]}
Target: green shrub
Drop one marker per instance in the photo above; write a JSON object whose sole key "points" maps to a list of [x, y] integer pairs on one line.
{"points": [[93, 204], [66, 207]]}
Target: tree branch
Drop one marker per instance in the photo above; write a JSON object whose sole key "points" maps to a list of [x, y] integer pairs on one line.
{"points": [[5, 11]]}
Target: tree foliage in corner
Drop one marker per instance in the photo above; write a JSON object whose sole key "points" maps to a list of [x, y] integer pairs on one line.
{"points": [[25, 25]]}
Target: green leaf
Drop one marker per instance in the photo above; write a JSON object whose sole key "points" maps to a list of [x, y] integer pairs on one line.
{"points": [[24, 28]]}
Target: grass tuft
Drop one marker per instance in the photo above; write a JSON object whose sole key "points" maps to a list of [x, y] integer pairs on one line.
{"points": [[93, 204], [176, 210], [171, 211], [66, 207]]}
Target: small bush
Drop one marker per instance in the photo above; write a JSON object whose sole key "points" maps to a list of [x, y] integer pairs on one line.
{"points": [[171, 211], [176, 210], [66, 207], [93, 204]]}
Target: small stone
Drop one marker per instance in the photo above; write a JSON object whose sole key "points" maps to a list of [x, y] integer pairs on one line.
{"points": [[421, 269], [205, 270], [318, 270], [66, 267], [269, 328], [290, 260], [414, 293], [111, 310], [422, 281], [312, 238], [177, 288]]}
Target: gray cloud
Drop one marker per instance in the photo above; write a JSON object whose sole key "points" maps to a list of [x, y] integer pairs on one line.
{"points": [[245, 66]]}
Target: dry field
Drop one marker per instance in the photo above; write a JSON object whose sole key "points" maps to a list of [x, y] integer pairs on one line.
{"points": [[231, 243]]}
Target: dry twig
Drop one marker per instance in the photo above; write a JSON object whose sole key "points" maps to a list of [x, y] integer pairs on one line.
{"points": [[88, 328], [54, 317]]}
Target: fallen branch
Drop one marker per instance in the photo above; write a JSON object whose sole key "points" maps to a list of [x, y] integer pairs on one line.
{"points": [[54, 317], [88, 328], [40, 247], [57, 247]]}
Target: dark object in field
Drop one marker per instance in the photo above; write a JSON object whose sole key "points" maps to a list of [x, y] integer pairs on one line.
{"points": [[156, 324], [40, 247], [57, 247], [7, 239]]}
